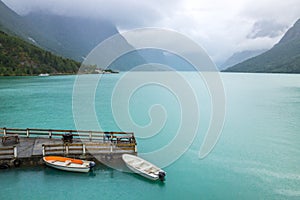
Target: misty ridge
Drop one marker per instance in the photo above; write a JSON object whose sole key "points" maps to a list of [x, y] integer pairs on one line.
{"points": [[73, 37]]}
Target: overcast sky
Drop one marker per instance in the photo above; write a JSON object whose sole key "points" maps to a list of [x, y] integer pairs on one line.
{"points": [[222, 27]]}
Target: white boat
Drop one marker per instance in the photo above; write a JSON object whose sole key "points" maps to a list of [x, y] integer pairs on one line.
{"points": [[143, 167], [68, 164], [44, 74]]}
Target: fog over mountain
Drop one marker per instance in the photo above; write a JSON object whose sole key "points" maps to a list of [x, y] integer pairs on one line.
{"points": [[284, 57], [221, 27]]}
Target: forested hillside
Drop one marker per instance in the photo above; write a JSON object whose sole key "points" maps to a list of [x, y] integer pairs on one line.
{"points": [[284, 57], [18, 57]]}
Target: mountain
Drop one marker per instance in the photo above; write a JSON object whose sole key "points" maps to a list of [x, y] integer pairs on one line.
{"points": [[75, 37], [72, 37], [18, 57], [284, 57], [240, 57], [11, 22]]}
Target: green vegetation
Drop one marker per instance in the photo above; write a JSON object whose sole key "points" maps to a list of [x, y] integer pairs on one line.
{"points": [[284, 57], [70, 37], [94, 69], [18, 57]]}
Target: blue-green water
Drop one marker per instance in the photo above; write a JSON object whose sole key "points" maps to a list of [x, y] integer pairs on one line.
{"points": [[256, 157]]}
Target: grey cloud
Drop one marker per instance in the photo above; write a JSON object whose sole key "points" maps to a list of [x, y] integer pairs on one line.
{"points": [[125, 14], [266, 28], [222, 27]]}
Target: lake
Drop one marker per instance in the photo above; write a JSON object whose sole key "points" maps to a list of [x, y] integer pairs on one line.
{"points": [[256, 156]]}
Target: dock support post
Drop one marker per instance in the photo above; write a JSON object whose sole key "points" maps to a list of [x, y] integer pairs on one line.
{"points": [[4, 131], [43, 150], [90, 136], [50, 134], [67, 149], [83, 149], [15, 152], [27, 132]]}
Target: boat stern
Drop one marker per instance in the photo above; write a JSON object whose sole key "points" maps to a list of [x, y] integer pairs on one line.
{"points": [[92, 164], [161, 175]]}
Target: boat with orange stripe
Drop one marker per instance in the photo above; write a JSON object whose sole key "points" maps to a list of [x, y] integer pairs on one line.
{"points": [[68, 164]]}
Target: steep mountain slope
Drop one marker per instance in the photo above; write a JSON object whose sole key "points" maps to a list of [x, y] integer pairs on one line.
{"points": [[240, 57], [67, 36], [75, 37], [12, 23], [284, 57], [72, 37], [18, 57]]}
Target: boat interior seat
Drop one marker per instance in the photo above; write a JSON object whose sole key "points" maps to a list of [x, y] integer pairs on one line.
{"points": [[131, 161], [68, 162], [138, 164], [149, 169]]}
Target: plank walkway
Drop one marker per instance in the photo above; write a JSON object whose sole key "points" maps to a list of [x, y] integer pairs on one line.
{"points": [[34, 143]]}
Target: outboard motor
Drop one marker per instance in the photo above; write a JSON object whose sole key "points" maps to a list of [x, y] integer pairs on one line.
{"points": [[161, 175], [92, 164]]}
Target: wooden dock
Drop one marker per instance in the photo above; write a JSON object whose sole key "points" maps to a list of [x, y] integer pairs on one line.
{"points": [[28, 146]]}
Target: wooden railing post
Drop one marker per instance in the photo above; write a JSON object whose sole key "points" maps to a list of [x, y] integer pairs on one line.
{"points": [[50, 134], [44, 153], [90, 135], [4, 131], [27, 132], [15, 151], [83, 149], [67, 149]]}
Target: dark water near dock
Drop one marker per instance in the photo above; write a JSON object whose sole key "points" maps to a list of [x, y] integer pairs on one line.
{"points": [[257, 156]]}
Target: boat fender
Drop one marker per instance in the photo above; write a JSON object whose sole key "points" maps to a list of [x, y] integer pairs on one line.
{"points": [[161, 175], [92, 164], [4, 166], [17, 163]]}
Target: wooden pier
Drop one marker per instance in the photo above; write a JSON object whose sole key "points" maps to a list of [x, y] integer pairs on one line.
{"points": [[28, 146]]}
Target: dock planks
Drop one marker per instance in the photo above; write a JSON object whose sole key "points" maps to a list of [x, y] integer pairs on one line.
{"points": [[31, 142]]}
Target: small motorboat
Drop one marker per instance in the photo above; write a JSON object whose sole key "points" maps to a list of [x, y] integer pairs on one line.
{"points": [[143, 167], [44, 74], [68, 164]]}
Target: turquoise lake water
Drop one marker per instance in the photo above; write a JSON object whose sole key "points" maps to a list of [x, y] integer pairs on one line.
{"points": [[257, 155]]}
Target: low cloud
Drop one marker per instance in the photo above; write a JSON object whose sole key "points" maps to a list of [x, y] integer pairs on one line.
{"points": [[265, 28], [221, 27]]}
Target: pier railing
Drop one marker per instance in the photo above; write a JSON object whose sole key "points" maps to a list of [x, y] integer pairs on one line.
{"points": [[8, 152], [83, 135], [63, 142], [84, 148]]}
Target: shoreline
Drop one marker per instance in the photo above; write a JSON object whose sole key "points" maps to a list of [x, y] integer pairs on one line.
{"points": [[223, 72]]}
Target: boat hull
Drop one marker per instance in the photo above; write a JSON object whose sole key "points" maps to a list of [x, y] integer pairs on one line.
{"points": [[143, 167], [75, 166], [153, 178]]}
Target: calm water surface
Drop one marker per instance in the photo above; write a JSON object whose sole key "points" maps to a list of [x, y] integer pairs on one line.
{"points": [[257, 156]]}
